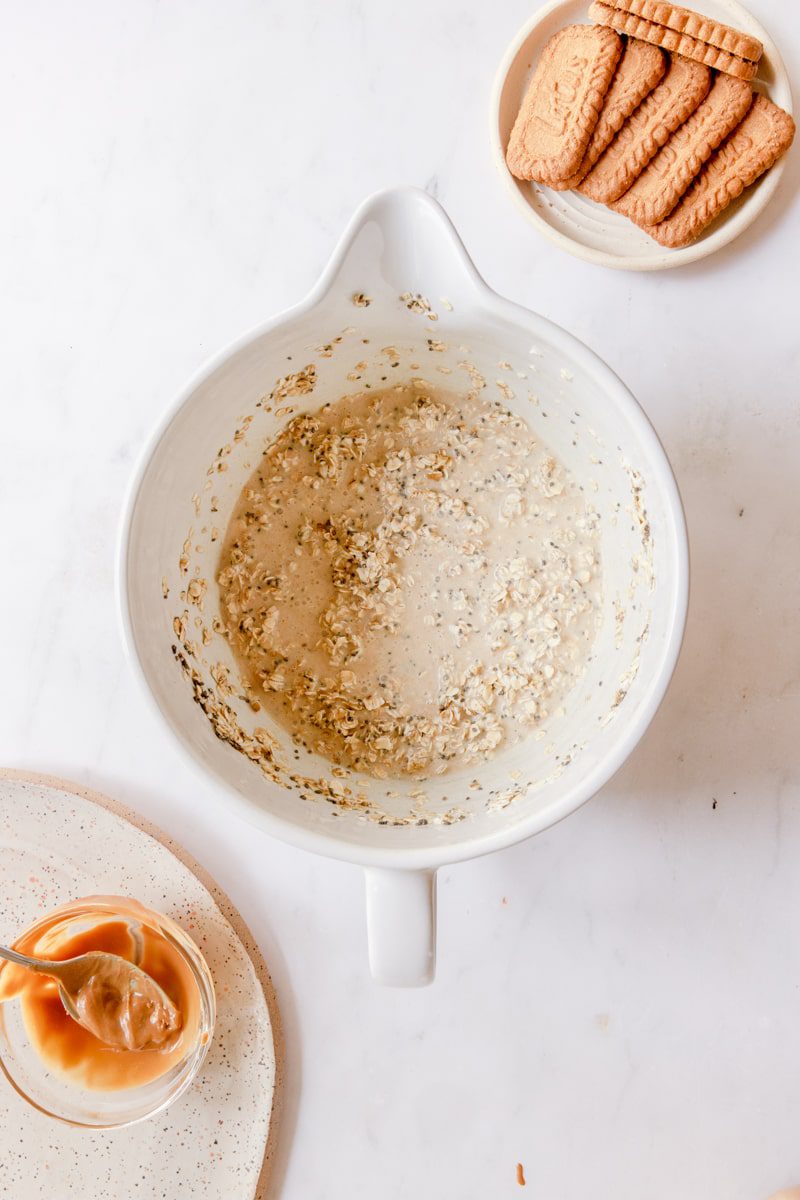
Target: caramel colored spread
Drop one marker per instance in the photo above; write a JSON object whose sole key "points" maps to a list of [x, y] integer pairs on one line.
{"points": [[123, 1006], [67, 1047]]}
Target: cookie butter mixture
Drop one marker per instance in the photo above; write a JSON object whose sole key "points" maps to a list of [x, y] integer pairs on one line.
{"points": [[123, 1006], [410, 580], [135, 1039]]}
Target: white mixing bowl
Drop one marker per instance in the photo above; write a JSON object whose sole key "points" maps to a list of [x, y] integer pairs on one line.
{"points": [[401, 245]]}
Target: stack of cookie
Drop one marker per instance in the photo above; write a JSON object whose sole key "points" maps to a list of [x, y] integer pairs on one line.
{"points": [[681, 31], [650, 112]]}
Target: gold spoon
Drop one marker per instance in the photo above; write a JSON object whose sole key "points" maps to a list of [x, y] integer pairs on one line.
{"points": [[114, 999]]}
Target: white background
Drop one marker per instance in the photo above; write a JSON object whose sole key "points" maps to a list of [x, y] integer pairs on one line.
{"points": [[617, 1004]]}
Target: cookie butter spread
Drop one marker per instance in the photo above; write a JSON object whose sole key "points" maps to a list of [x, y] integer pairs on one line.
{"points": [[410, 580], [124, 1007], [135, 1040]]}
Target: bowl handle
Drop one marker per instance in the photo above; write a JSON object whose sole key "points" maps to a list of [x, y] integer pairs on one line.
{"points": [[401, 926]]}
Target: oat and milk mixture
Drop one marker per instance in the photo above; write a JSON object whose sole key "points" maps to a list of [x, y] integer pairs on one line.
{"points": [[410, 580]]}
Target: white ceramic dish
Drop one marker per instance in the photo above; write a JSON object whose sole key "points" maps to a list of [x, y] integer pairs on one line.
{"points": [[402, 242], [591, 231]]}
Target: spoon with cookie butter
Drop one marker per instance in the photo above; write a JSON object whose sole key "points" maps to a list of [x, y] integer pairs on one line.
{"points": [[112, 998]]}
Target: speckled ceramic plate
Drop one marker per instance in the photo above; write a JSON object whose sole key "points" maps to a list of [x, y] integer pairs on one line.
{"points": [[592, 231], [59, 842]]}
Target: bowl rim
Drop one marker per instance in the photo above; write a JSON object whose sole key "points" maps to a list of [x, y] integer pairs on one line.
{"points": [[666, 260], [509, 833]]}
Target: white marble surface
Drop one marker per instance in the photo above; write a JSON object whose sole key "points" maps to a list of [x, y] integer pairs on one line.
{"points": [[617, 1001]]}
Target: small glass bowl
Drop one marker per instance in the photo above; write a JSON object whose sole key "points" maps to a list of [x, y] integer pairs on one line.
{"points": [[57, 1096]]}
